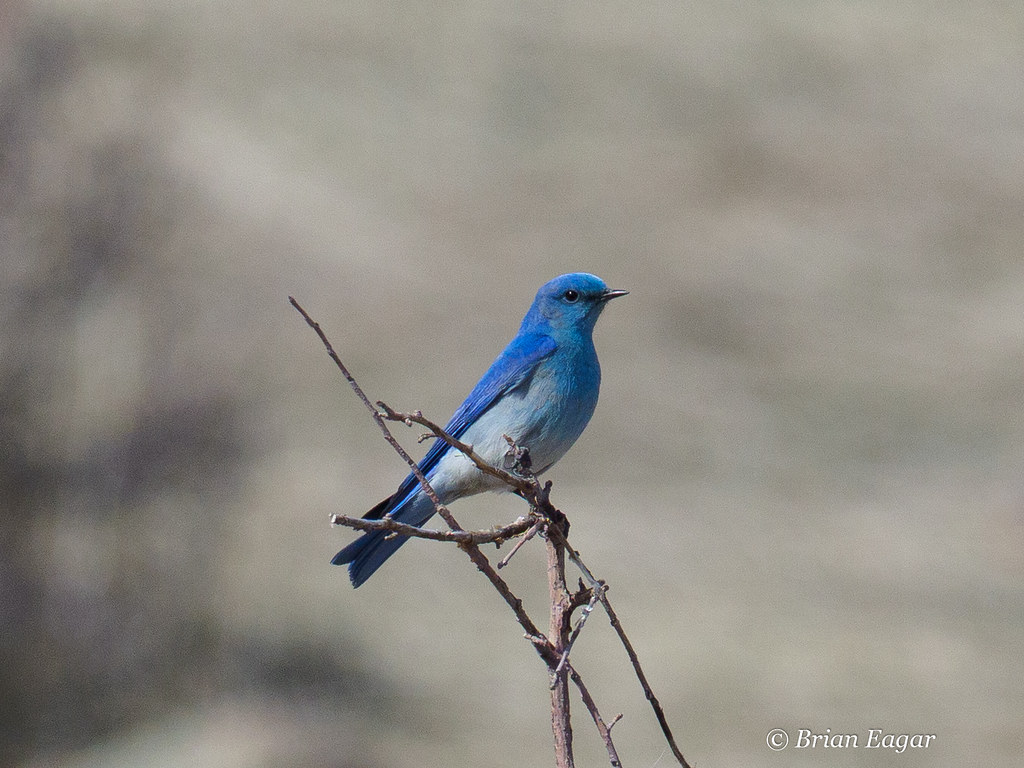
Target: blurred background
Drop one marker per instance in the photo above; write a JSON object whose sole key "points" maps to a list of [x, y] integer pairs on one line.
{"points": [[803, 481]]}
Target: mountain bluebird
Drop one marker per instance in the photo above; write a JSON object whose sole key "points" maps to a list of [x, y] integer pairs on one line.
{"points": [[541, 392]]}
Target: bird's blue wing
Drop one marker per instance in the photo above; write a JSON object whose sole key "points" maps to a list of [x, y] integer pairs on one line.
{"points": [[513, 368]]}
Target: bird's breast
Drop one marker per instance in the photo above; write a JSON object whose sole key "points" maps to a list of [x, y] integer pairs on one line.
{"points": [[545, 415]]}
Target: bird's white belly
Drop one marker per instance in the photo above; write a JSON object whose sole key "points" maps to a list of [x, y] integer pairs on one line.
{"points": [[545, 419]]}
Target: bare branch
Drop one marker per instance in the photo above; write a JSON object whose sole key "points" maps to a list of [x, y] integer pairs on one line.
{"points": [[600, 591], [588, 606], [491, 536], [518, 545], [604, 731], [521, 484], [655, 704], [377, 417], [558, 635]]}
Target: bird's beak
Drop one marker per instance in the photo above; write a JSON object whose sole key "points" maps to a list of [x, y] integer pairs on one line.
{"points": [[608, 295]]}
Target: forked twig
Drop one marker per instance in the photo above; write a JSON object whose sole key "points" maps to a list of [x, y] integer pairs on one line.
{"points": [[587, 608], [604, 730], [518, 545], [600, 592]]}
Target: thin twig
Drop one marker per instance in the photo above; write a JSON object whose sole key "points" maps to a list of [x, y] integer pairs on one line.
{"points": [[518, 545], [377, 417], [648, 692], [521, 484], [558, 634], [492, 536], [603, 730], [601, 592], [587, 608]]}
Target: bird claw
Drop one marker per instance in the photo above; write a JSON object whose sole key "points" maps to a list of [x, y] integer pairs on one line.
{"points": [[517, 460]]}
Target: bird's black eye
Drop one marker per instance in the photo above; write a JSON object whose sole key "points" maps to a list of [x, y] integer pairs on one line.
{"points": [[571, 296]]}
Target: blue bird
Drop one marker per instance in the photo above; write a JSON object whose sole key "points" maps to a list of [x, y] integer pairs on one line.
{"points": [[541, 391]]}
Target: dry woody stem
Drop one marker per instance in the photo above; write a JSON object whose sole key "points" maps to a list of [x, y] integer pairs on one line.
{"points": [[555, 647]]}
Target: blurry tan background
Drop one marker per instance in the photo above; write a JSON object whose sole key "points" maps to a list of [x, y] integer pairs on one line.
{"points": [[804, 478]]}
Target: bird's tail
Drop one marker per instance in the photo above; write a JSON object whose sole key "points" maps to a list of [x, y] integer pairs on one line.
{"points": [[368, 553]]}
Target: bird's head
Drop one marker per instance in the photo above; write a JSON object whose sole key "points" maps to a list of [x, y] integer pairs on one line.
{"points": [[569, 303]]}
